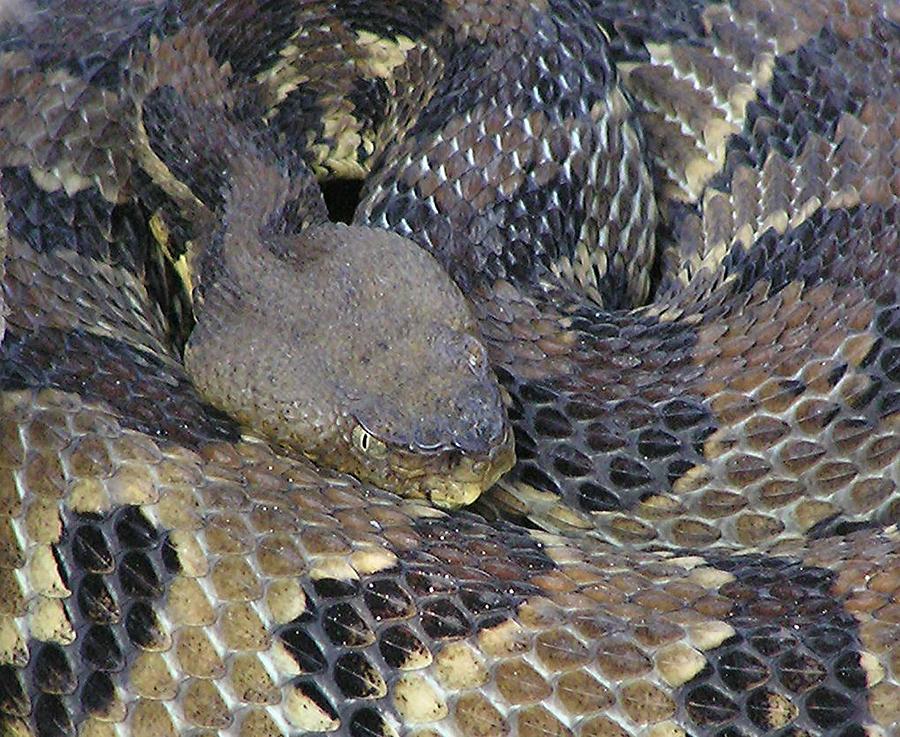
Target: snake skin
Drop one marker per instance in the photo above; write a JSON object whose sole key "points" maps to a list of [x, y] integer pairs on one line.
{"points": [[716, 471]]}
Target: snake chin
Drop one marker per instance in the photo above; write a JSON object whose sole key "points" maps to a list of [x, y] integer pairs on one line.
{"points": [[447, 476]]}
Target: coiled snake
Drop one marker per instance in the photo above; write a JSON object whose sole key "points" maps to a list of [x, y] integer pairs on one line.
{"points": [[674, 226]]}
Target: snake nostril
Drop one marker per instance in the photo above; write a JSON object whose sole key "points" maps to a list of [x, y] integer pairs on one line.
{"points": [[480, 420]]}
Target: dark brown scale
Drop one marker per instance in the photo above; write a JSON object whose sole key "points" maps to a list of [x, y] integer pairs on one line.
{"points": [[97, 602], [357, 678], [98, 695], [15, 700], [303, 649], [53, 671], [367, 722], [345, 627], [801, 672], [331, 588], [118, 374], [91, 550], [571, 462], [149, 557], [442, 619], [399, 645], [52, 717], [776, 659], [386, 600], [740, 671], [101, 649], [143, 626]]}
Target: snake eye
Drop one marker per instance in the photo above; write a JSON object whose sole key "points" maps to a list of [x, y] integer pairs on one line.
{"points": [[368, 443], [475, 355]]}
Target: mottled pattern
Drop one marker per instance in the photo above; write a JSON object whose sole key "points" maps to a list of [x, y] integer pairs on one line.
{"points": [[677, 227], [744, 420]]}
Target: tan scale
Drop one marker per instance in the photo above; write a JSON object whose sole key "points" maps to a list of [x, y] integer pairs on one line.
{"points": [[303, 712], [615, 635], [458, 666]]}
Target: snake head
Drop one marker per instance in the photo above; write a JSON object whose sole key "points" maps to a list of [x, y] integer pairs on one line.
{"points": [[352, 346], [433, 424]]}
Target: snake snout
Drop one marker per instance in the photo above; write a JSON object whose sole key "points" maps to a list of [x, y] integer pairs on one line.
{"points": [[480, 419]]}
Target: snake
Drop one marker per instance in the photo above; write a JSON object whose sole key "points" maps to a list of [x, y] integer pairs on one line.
{"points": [[449, 368]]}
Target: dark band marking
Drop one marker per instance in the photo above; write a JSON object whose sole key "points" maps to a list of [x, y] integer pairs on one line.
{"points": [[370, 99], [478, 73], [203, 149], [532, 244], [515, 550], [793, 666], [114, 234], [101, 369], [414, 19], [811, 88], [233, 31], [94, 44], [855, 247], [503, 241], [455, 93], [114, 597], [298, 114], [632, 24], [611, 446], [168, 126]]}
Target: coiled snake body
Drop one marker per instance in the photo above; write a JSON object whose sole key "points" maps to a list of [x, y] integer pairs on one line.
{"points": [[675, 226]]}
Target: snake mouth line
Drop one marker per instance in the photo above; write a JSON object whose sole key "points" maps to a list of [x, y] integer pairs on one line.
{"points": [[456, 479], [583, 422]]}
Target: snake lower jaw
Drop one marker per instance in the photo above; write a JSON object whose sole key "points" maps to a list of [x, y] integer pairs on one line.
{"points": [[469, 478], [448, 479]]}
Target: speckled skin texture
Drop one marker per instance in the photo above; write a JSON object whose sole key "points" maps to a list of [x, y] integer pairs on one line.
{"points": [[404, 399], [715, 470], [348, 345]]}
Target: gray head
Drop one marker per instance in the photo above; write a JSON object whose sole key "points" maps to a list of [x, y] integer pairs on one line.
{"points": [[353, 346]]}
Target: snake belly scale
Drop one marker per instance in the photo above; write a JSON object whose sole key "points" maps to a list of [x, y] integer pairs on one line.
{"points": [[668, 230]]}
